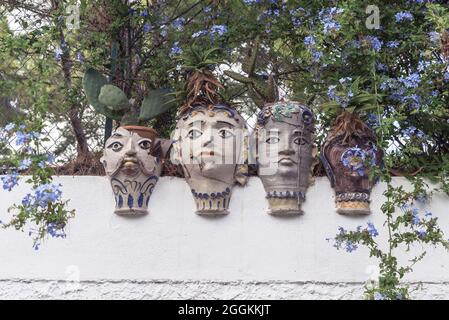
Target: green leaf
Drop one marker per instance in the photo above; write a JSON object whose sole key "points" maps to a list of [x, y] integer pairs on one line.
{"points": [[156, 103], [113, 97], [92, 83]]}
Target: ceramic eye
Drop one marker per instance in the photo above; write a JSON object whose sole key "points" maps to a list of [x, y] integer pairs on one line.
{"points": [[145, 144], [300, 141], [224, 134], [116, 146], [193, 134], [273, 140]]}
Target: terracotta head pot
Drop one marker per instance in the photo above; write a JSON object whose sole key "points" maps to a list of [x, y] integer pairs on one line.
{"points": [[346, 159], [210, 143], [283, 149], [133, 170]]}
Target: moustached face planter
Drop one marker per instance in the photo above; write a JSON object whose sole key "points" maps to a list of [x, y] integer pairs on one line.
{"points": [[132, 169], [210, 143], [283, 148]]}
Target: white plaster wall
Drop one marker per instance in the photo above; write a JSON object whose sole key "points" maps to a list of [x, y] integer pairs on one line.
{"points": [[174, 253]]}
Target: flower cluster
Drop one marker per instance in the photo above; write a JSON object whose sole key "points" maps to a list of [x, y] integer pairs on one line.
{"points": [[43, 207], [404, 15], [327, 18], [355, 158], [214, 30]]}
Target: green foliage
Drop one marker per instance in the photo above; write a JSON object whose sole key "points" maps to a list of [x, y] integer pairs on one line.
{"points": [[113, 97], [112, 101]]}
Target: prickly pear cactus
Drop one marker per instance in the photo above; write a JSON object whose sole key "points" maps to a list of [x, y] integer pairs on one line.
{"points": [[112, 102]]}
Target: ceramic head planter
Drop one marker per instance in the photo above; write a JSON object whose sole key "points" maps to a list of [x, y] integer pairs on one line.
{"points": [[210, 143], [133, 166], [283, 142], [347, 154]]}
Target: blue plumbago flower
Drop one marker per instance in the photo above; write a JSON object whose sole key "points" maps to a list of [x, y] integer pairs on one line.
{"points": [[354, 159], [378, 296], [25, 164], [393, 44], [219, 29], [316, 56], [58, 53], [446, 76], [428, 214], [9, 127], [27, 201], [199, 33], [296, 22], [176, 49], [434, 36], [422, 197], [376, 44], [147, 27], [404, 15], [309, 41], [372, 120], [10, 181], [435, 93], [423, 65], [349, 247], [251, 1], [131, 11], [207, 9], [178, 24], [51, 158], [421, 233], [41, 164], [327, 16], [55, 231], [332, 92], [22, 138], [412, 81], [331, 26], [412, 131], [345, 80], [372, 230], [47, 193], [163, 31], [144, 13], [415, 217], [381, 67]]}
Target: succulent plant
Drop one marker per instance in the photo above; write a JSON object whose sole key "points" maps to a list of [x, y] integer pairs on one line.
{"points": [[112, 102], [261, 89]]}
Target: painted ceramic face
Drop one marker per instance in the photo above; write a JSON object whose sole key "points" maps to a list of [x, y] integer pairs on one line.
{"points": [[284, 154], [132, 169], [347, 167], [210, 145]]}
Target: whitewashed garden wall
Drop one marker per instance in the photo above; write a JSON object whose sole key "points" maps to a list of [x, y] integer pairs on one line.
{"points": [[172, 253]]}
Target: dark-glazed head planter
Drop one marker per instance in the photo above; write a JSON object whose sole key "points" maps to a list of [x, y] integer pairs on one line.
{"points": [[133, 167], [283, 148], [347, 154], [210, 143]]}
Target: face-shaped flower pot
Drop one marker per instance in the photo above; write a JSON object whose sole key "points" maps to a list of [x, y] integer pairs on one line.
{"points": [[210, 143], [283, 148], [347, 162], [133, 168]]}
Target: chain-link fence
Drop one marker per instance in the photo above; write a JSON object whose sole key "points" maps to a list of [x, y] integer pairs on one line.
{"points": [[27, 87]]}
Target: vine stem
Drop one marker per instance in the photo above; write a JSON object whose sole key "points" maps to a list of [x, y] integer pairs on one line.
{"points": [[381, 142]]}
